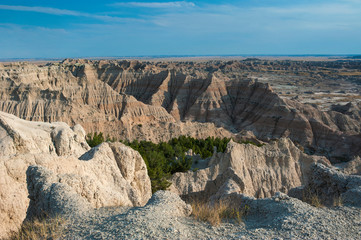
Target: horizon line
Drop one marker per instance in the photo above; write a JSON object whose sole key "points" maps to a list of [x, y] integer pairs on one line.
{"points": [[161, 56]]}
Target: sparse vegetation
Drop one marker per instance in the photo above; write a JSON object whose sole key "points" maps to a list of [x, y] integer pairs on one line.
{"points": [[315, 201], [215, 213], [40, 229], [94, 139], [166, 158], [312, 198], [337, 201]]}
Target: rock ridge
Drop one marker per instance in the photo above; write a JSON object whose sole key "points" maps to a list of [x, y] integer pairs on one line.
{"points": [[111, 174], [129, 99], [248, 169]]}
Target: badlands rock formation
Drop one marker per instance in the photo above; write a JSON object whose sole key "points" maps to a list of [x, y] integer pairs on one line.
{"points": [[329, 184], [271, 218], [158, 101], [250, 170], [108, 175], [350, 109], [165, 216], [50, 197], [352, 167]]}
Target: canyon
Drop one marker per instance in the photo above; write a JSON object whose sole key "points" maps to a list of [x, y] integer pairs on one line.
{"points": [[157, 101], [294, 126]]}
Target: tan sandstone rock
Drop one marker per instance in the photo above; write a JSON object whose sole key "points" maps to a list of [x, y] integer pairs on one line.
{"points": [[351, 167], [151, 101], [110, 174], [329, 184], [49, 197], [250, 170]]}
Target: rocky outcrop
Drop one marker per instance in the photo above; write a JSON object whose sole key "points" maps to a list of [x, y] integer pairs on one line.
{"points": [[162, 217], [123, 172], [23, 137], [330, 184], [162, 212], [170, 204], [49, 197], [351, 109], [73, 94], [250, 170], [352, 167], [24, 143], [273, 218], [111, 174], [152, 101]]}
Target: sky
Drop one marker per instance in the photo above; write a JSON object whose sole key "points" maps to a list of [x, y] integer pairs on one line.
{"points": [[79, 28]]}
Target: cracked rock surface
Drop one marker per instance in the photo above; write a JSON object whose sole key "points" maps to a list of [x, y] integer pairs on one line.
{"points": [[110, 174]]}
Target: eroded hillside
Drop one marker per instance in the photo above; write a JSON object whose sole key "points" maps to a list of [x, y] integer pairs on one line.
{"points": [[158, 100]]}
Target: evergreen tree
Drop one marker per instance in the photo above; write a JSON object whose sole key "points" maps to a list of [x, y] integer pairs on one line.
{"points": [[166, 158]]}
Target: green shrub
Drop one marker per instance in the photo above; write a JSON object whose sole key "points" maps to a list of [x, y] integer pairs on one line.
{"points": [[94, 139], [166, 158]]}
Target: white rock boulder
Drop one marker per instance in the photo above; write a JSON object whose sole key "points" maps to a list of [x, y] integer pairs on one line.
{"points": [[248, 169], [110, 174]]}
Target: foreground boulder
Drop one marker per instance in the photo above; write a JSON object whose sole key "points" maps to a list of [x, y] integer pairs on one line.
{"points": [[49, 197], [18, 137], [110, 174], [352, 167], [329, 184], [250, 170]]}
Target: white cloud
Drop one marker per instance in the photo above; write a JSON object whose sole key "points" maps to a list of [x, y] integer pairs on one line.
{"points": [[177, 4], [47, 10], [61, 12], [316, 9], [233, 18]]}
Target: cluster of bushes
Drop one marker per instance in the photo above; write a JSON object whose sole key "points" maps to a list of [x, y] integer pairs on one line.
{"points": [[165, 158]]}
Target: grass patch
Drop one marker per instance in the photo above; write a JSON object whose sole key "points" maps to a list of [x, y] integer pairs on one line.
{"points": [[40, 229], [315, 201], [337, 201], [312, 198], [215, 213]]}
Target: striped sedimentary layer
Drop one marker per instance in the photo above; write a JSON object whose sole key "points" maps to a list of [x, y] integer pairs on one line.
{"points": [[158, 101]]}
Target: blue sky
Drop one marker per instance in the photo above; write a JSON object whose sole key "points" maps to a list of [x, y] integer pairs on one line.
{"points": [[77, 28]]}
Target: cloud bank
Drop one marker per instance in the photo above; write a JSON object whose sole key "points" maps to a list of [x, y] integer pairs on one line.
{"points": [[177, 4]]}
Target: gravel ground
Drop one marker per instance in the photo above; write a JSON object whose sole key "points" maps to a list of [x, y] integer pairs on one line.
{"points": [[268, 219]]}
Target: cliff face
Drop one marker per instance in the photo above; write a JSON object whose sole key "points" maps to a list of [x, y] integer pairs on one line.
{"points": [[157, 101], [73, 95], [247, 169]]}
